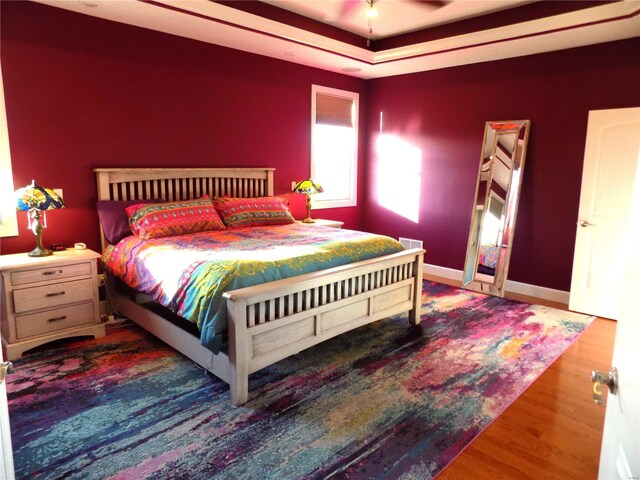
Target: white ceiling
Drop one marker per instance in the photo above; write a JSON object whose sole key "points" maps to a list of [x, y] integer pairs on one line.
{"points": [[219, 24], [395, 17]]}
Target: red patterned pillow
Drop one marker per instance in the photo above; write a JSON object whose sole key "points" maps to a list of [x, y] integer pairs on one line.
{"points": [[253, 212], [173, 218]]}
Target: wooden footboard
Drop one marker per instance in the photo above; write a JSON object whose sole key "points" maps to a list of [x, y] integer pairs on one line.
{"points": [[272, 321]]}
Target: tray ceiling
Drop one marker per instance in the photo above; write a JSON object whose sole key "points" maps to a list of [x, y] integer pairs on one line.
{"points": [[221, 24]]}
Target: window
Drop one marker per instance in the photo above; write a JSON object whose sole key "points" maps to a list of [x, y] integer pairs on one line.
{"points": [[8, 220], [334, 146]]}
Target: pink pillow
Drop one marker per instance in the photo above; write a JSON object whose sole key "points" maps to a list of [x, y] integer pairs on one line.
{"points": [[253, 212], [173, 218]]}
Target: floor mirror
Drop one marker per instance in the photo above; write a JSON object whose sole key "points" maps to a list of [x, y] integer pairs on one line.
{"points": [[495, 206]]}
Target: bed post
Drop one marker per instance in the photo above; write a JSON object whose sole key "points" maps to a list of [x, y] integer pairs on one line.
{"points": [[239, 353], [269, 183], [104, 193], [414, 314]]}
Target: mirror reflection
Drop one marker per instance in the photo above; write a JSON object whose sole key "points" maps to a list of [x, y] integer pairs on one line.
{"points": [[495, 207]]}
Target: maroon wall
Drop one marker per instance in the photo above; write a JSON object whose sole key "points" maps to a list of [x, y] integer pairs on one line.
{"points": [[443, 114], [83, 93]]}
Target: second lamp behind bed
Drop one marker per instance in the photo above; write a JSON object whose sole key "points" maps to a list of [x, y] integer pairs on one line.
{"points": [[308, 187]]}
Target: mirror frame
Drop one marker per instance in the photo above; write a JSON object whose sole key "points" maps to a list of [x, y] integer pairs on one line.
{"points": [[472, 279]]}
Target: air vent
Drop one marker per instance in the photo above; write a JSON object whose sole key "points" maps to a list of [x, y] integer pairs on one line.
{"points": [[410, 243]]}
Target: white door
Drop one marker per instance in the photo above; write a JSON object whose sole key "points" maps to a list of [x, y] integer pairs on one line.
{"points": [[620, 455], [6, 455], [610, 162]]}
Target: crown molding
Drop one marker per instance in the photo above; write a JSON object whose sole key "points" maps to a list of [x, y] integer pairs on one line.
{"points": [[218, 24]]}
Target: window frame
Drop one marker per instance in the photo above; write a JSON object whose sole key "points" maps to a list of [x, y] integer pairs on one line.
{"points": [[317, 201], [8, 216]]}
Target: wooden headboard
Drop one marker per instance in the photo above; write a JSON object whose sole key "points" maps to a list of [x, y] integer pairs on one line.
{"points": [[174, 184]]}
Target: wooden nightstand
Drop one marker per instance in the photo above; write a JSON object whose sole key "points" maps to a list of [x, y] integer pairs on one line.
{"points": [[324, 223], [47, 298]]}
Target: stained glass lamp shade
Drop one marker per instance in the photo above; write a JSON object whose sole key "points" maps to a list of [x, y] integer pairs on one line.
{"points": [[308, 187], [35, 199]]}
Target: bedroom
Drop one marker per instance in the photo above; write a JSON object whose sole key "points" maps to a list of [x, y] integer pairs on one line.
{"points": [[135, 97]]}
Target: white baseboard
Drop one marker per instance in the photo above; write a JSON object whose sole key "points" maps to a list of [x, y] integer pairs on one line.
{"points": [[444, 272], [538, 292], [513, 287]]}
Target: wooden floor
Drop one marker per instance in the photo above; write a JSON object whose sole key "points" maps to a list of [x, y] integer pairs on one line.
{"points": [[553, 430]]}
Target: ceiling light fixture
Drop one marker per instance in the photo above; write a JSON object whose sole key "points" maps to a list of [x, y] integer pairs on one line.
{"points": [[371, 13]]}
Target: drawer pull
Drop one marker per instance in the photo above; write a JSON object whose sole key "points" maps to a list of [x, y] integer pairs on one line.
{"points": [[57, 319], [55, 294], [52, 272]]}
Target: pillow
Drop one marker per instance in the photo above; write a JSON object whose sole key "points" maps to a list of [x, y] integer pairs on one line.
{"points": [[173, 218], [253, 212], [114, 220], [297, 203]]}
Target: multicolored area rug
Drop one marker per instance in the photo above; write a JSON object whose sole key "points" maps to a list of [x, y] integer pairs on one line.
{"points": [[383, 402]]}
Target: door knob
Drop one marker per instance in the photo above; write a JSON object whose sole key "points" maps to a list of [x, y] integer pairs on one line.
{"points": [[5, 367], [584, 223], [609, 379]]}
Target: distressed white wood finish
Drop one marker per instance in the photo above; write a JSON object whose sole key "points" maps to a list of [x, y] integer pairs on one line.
{"points": [[172, 335], [50, 273], [272, 321], [47, 298]]}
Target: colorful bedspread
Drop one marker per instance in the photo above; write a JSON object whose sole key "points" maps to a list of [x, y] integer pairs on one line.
{"points": [[489, 255], [189, 273]]}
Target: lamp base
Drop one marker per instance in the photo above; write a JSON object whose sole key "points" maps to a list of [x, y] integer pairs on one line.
{"points": [[40, 252], [308, 219]]}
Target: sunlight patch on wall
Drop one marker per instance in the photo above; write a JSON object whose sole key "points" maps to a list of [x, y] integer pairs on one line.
{"points": [[399, 175]]}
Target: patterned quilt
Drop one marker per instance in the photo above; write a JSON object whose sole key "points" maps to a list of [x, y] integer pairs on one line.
{"points": [[489, 255], [189, 273]]}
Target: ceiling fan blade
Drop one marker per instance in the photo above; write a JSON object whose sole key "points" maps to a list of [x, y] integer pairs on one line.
{"points": [[433, 3], [349, 7]]}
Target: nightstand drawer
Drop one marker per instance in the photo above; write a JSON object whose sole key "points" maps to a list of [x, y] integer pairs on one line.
{"points": [[54, 320], [50, 273], [27, 299]]}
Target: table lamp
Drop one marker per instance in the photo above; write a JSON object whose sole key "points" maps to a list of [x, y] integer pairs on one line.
{"points": [[35, 199], [308, 187]]}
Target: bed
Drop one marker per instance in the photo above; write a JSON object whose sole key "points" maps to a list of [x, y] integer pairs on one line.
{"points": [[270, 321], [489, 258]]}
